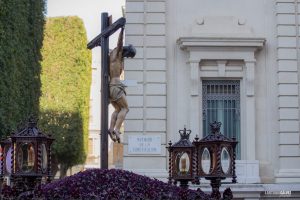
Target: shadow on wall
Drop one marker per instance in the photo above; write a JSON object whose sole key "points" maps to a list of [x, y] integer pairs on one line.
{"points": [[67, 130]]}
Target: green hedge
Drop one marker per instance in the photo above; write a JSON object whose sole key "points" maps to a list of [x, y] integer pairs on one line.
{"points": [[66, 78], [21, 35]]}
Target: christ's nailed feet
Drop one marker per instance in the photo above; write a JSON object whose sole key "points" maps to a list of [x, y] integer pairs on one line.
{"points": [[117, 134], [112, 136]]}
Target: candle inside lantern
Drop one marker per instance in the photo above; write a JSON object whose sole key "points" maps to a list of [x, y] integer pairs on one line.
{"points": [[183, 165]]}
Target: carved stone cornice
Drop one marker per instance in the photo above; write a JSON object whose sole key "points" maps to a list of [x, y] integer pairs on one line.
{"points": [[188, 43]]}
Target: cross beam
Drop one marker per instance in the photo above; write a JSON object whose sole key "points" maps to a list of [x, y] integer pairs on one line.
{"points": [[106, 33]]}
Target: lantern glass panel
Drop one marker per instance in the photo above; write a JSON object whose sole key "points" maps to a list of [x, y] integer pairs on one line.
{"points": [[206, 161], [183, 163], [44, 157], [225, 160], [8, 160], [26, 157]]}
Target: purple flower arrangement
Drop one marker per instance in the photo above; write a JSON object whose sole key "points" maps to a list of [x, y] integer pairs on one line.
{"points": [[113, 184]]}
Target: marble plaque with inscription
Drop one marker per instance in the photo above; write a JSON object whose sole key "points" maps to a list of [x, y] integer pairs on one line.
{"points": [[144, 144]]}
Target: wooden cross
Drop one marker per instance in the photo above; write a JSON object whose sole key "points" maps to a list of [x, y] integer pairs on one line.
{"points": [[107, 29]]}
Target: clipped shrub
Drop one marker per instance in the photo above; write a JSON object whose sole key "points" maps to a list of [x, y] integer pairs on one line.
{"points": [[66, 78], [114, 185]]}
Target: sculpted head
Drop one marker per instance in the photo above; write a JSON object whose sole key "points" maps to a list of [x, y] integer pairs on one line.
{"points": [[128, 51]]}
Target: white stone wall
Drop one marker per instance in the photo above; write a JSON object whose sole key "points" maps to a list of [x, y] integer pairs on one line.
{"points": [[287, 14], [145, 29], [161, 102], [94, 115]]}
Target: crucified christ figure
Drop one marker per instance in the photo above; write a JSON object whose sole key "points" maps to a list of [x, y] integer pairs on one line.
{"points": [[117, 93]]}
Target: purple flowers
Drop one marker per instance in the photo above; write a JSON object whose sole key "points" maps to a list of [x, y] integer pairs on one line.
{"points": [[106, 185], [113, 185]]}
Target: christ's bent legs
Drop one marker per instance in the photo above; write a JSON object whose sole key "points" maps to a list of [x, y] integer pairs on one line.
{"points": [[113, 118], [122, 103], [121, 118]]}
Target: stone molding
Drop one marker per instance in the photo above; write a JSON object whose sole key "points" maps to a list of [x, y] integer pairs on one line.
{"points": [[203, 42]]}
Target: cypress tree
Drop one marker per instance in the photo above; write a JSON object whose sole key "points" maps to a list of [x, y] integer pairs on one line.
{"points": [[21, 36]]}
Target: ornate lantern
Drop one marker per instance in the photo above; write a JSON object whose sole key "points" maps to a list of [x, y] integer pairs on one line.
{"points": [[26, 157], [216, 158], [181, 160]]}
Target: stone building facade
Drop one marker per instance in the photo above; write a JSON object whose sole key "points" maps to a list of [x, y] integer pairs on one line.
{"points": [[233, 61]]}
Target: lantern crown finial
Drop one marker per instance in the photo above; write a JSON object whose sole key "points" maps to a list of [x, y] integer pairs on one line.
{"points": [[28, 129], [32, 122], [184, 139], [184, 134], [215, 127]]}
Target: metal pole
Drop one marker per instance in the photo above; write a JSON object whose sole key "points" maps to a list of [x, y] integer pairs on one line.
{"points": [[104, 92]]}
